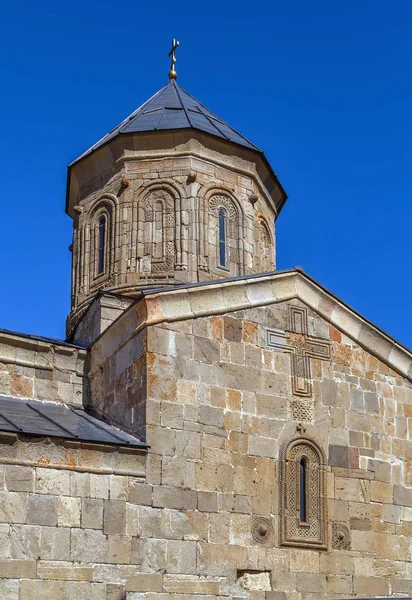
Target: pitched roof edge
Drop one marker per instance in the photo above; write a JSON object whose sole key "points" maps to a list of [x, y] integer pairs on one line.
{"points": [[219, 297]]}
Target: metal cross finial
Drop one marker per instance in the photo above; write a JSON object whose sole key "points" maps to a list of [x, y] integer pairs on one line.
{"points": [[172, 72]]}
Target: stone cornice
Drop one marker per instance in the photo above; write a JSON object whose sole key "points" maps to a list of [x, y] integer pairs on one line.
{"points": [[200, 300]]}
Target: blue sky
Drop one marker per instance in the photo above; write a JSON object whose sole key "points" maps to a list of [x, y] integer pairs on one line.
{"points": [[323, 87]]}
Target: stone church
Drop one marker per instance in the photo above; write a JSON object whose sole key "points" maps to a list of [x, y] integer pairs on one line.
{"points": [[211, 428]]}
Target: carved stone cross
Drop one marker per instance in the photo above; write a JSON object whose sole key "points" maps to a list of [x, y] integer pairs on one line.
{"points": [[301, 347]]}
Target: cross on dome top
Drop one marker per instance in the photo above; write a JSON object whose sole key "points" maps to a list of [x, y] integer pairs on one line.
{"points": [[172, 72]]}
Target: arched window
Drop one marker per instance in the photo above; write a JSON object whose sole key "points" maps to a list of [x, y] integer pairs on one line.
{"points": [[222, 237], [224, 234], [303, 494], [302, 491], [101, 245]]}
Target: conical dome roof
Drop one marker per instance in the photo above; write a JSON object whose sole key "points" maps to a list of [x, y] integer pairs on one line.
{"points": [[174, 108]]}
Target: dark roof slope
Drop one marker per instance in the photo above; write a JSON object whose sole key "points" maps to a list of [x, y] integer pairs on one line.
{"points": [[58, 420], [174, 108]]}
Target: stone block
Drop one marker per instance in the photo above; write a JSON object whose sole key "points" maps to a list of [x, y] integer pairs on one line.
{"points": [[33, 590], [161, 440], [381, 492], [171, 415], [303, 561], [92, 513], [118, 549], [9, 589], [145, 582], [271, 406], [178, 471], [79, 484], [19, 479], [119, 486], [357, 400], [82, 590], [132, 519], [181, 557], [42, 510], [210, 415], [140, 493], [338, 456], [17, 569], [114, 591], [68, 511], [55, 482], [152, 522], [153, 555], [25, 541], [208, 502], [260, 446], [339, 584], [329, 392], [99, 486], [206, 351], [188, 444], [402, 496], [232, 329], [63, 571], [114, 517], [186, 392], [55, 543], [88, 545], [169, 497], [311, 582], [13, 507], [371, 586]]}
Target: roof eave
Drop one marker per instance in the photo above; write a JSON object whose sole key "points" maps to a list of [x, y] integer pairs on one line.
{"points": [[252, 148]]}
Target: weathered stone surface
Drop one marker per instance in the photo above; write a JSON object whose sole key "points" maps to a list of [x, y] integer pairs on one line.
{"points": [[42, 510]]}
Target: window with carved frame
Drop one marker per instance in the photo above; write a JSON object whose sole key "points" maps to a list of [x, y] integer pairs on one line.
{"points": [[224, 233], [101, 245], [303, 494], [100, 251], [222, 237]]}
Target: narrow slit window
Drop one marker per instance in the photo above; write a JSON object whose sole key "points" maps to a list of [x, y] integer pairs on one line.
{"points": [[222, 237], [302, 491], [101, 245]]}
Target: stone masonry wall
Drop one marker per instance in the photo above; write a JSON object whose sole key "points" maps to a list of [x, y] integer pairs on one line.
{"points": [[69, 524], [219, 407], [118, 379], [41, 370]]}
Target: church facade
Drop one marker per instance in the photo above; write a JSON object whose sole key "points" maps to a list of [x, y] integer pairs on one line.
{"points": [[211, 428]]}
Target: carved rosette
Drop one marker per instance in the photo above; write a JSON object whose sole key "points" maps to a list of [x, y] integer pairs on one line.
{"points": [[262, 530], [340, 536]]}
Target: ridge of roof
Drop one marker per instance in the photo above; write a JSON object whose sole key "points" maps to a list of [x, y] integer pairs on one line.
{"points": [[172, 107]]}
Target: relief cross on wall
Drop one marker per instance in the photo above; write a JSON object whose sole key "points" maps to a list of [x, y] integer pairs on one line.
{"points": [[301, 347]]}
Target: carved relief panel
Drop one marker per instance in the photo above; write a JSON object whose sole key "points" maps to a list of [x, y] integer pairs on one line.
{"points": [[263, 250], [156, 223]]}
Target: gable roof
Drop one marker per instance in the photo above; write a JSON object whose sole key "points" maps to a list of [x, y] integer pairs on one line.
{"points": [[173, 108], [245, 292]]}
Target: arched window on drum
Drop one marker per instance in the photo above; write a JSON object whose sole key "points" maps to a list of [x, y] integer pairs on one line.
{"points": [[222, 237], [101, 245]]}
